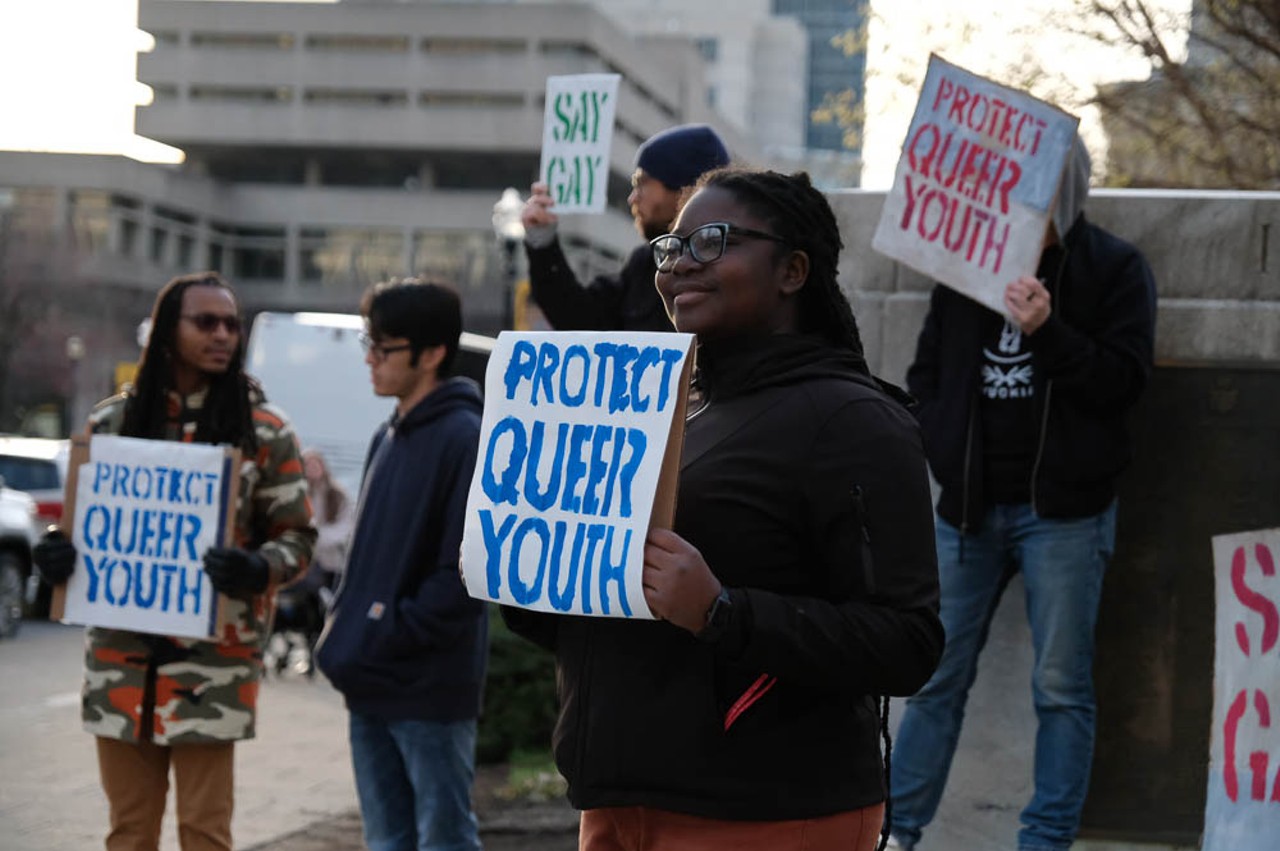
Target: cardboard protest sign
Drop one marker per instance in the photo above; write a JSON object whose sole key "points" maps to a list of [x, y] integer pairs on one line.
{"points": [[579, 457], [1242, 807], [976, 182], [577, 132], [142, 513]]}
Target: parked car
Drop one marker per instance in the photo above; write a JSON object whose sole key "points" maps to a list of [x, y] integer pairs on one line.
{"points": [[37, 467], [17, 536]]}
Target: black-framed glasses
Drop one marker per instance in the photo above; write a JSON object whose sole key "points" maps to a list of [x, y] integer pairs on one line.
{"points": [[380, 350], [207, 323], [706, 244]]}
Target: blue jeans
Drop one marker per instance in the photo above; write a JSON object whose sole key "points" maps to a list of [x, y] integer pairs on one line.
{"points": [[414, 780], [1062, 564]]}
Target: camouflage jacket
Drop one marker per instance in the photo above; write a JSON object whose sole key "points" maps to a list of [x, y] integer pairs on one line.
{"points": [[169, 691]]}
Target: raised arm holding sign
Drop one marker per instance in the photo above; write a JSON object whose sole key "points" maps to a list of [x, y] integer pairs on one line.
{"points": [[665, 164]]}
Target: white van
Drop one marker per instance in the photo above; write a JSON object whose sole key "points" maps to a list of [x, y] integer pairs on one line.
{"points": [[312, 366]]}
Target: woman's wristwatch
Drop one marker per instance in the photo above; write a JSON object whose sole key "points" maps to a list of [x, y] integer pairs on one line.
{"points": [[718, 617]]}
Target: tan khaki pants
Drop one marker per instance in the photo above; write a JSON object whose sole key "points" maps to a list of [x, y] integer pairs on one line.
{"points": [[136, 781], [647, 829]]}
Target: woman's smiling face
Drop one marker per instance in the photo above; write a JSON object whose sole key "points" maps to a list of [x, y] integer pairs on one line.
{"points": [[746, 291]]}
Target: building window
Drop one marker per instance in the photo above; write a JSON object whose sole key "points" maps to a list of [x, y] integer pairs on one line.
{"points": [[709, 48], [257, 254], [128, 237], [472, 46], [356, 97], [349, 258], [473, 100], [568, 50], [186, 252], [159, 241], [242, 41], [347, 43], [91, 215], [243, 94]]}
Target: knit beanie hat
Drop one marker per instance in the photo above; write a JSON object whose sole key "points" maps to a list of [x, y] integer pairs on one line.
{"points": [[679, 156]]}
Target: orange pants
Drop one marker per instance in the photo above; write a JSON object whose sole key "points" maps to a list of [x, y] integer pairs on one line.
{"points": [[136, 781], [647, 829]]}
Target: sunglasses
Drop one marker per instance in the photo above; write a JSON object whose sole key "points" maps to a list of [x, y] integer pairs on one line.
{"points": [[381, 351], [207, 323], [705, 244]]}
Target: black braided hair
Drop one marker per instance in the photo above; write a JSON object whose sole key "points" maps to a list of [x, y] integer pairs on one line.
{"points": [[227, 415], [799, 214]]}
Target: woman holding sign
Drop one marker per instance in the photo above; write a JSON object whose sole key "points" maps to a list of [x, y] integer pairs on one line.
{"points": [[799, 584]]}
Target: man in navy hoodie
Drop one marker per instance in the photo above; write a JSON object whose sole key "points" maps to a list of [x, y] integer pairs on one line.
{"points": [[405, 644]]}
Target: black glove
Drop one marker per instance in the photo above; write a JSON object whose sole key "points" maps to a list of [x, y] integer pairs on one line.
{"points": [[54, 557], [236, 572]]}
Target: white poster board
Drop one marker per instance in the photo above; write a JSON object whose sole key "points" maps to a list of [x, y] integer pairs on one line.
{"points": [[144, 513], [975, 185], [1242, 807], [579, 457], [577, 132]]}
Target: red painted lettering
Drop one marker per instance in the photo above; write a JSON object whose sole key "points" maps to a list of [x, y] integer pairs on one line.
{"points": [[942, 204], [912, 196], [945, 88], [1251, 599], [958, 103], [1259, 761]]}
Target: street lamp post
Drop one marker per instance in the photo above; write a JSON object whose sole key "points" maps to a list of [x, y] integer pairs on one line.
{"points": [[75, 354], [509, 231]]}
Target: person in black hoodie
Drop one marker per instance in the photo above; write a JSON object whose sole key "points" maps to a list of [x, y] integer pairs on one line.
{"points": [[799, 582], [404, 643], [1023, 420]]}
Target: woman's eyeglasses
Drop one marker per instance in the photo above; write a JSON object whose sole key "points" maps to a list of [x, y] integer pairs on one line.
{"points": [[207, 323], [706, 244], [380, 350]]}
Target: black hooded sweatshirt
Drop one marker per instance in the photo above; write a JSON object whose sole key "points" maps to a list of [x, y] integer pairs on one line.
{"points": [[804, 487], [1092, 359], [404, 639]]}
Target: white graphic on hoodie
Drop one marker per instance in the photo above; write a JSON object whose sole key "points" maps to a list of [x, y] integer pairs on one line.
{"points": [[1007, 371]]}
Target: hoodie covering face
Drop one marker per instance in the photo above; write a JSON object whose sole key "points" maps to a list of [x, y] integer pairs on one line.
{"points": [[1074, 189]]}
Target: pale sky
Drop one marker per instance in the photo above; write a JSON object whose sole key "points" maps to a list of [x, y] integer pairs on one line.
{"points": [[69, 70]]}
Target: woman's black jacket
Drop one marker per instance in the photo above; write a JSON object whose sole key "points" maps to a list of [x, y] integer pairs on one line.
{"points": [[804, 487]]}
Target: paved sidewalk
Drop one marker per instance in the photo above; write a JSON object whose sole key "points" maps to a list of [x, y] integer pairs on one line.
{"points": [[294, 788]]}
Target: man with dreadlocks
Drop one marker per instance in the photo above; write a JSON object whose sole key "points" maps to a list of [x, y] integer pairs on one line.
{"points": [[798, 584], [156, 702]]}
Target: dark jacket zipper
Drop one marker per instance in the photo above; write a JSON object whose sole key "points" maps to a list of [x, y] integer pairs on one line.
{"points": [[1048, 389], [868, 567]]}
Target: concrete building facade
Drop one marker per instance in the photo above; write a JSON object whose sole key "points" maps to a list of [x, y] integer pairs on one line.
{"points": [[331, 145]]}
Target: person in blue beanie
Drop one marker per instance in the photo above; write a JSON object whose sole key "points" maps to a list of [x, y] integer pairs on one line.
{"points": [[405, 645], [665, 164]]}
